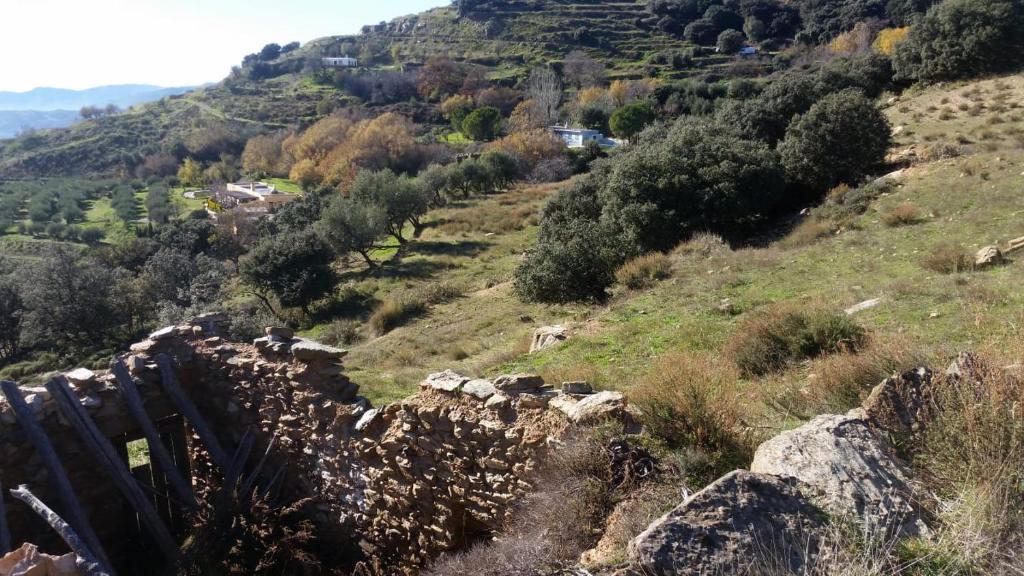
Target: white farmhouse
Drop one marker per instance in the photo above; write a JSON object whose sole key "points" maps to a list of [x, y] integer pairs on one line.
{"points": [[580, 137], [340, 62]]}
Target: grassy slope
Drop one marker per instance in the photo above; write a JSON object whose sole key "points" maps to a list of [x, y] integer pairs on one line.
{"points": [[617, 342]]}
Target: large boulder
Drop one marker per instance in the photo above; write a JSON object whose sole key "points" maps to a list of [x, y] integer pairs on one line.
{"points": [[447, 381], [309, 351], [901, 407], [847, 469], [741, 523], [518, 383]]}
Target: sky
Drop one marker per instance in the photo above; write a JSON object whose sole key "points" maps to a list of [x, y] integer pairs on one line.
{"points": [[85, 43]]}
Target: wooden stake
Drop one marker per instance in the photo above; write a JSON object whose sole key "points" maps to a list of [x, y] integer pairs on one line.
{"points": [[85, 561], [182, 488], [111, 463], [181, 401], [5, 531], [72, 508]]}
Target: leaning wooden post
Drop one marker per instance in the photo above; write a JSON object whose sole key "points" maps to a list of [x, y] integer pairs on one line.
{"points": [[72, 508], [182, 488], [173, 390], [86, 560], [111, 463], [5, 531]]}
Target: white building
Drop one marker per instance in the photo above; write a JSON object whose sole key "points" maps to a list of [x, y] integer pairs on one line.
{"points": [[580, 137], [340, 62]]}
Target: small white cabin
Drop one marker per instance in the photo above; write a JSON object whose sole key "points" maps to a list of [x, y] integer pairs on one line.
{"points": [[580, 137], [340, 62]]}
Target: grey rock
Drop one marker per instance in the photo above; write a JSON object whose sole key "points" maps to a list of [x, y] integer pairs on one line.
{"points": [[81, 378], [577, 388], [518, 382], [309, 351], [480, 389], [597, 407], [548, 336], [901, 407], [738, 523], [848, 470], [497, 402], [164, 333], [367, 420], [988, 256], [865, 305], [447, 381], [280, 333]]}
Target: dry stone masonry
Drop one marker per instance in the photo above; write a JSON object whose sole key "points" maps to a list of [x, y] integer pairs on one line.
{"points": [[401, 483]]}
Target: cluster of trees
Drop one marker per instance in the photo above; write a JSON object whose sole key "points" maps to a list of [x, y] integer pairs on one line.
{"points": [[710, 22], [290, 263], [963, 38], [54, 208], [731, 173], [94, 112]]}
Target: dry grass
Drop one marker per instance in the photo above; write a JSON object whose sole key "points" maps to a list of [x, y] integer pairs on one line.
{"points": [[806, 233], [644, 271], [948, 258], [689, 401], [770, 339], [399, 309], [902, 214]]}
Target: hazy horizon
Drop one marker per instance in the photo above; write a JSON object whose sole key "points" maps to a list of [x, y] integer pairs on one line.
{"points": [[165, 43]]}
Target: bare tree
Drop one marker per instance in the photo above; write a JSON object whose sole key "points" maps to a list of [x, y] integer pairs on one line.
{"points": [[582, 71], [545, 89]]}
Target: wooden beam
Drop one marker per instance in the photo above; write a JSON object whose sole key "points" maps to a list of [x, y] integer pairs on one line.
{"points": [[109, 461], [86, 560], [182, 487], [72, 508], [5, 531], [173, 390]]}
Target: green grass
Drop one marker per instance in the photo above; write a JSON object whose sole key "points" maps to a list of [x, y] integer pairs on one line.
{"points": [[285, 185], [482, 334]]}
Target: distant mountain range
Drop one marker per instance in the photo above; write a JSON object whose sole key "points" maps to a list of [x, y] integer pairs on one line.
{"points": [[57, 107]]}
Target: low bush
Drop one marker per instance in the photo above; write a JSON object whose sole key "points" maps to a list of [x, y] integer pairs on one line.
{"points": [[342, 333], [689, 401], [644, 271], [770, 340], [841, 381], [399, 309], [902, 214], [948, 258], [807, 232]]}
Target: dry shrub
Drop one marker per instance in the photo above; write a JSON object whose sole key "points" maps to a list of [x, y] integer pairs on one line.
{"points": [[841, 381], [973, 455], [581, 484], [644, 271], [690, 401], [948, 258], [702, 246], [806, 233], [399, 309], [902, 214], [343, 333], [947, 114], [770, 339], [940, 151], [497, 218]]}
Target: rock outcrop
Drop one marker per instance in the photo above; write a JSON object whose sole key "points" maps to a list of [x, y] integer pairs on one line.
{"points": [[732, 526], [845, 468]]}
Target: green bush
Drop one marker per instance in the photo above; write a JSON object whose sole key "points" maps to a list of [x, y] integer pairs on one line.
{"points": [[841, 139], [963, 39], [770, 340], [482, 124], [631, 119], [643, 271]]}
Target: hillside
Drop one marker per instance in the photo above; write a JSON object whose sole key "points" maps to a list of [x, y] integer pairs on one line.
{"points": [[506, 39], [967, 195], [124, 95]]}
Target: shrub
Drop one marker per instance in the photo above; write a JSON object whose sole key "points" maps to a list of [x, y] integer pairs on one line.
{"points": [[947, 258], [806, 233], [631, 119], [841, 381], [643, 271], [841, 139], [689, 401], [342, 333], [770, 340], [483, 124], [394, 312], [902, 214], [962, 38]]}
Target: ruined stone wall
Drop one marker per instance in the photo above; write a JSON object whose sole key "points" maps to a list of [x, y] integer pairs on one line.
{"points": [[399, 484]]}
